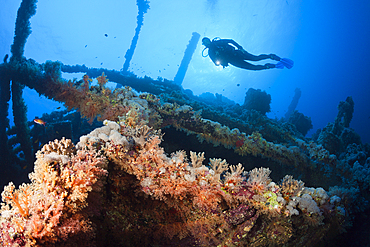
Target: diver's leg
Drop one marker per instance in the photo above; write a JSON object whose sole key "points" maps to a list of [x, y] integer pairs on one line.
{"points": [[245, 65], [251, 57]]}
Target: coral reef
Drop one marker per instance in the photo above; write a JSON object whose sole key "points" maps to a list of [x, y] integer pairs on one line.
{"points": [[22, 30], [137, 115], [155, 199], [257, 100], [336, 136], [4, 121], [301, 122], [22, 27], [345, 112], [55, 206], [118, 186]]}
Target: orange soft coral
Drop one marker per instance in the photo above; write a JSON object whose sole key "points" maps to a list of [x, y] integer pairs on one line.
{"points": [[43, 211], [99, 102], [151, 198], [102, 80]]}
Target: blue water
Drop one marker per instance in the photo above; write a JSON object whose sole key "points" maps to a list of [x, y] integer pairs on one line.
{"points": [[328, 40]]}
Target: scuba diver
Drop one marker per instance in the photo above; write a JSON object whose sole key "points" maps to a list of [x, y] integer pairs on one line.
{"points": [[222, 52]]}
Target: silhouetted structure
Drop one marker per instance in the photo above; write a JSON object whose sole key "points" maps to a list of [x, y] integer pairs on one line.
{"points": [[190, 49], [143, 6], [293, 104]]}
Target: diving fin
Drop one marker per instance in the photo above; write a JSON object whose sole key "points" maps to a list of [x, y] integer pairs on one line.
{"points": [[288, 63], [279, 65]]}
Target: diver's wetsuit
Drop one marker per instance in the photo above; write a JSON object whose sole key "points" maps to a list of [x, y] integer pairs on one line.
{"points": [[222, 53]]}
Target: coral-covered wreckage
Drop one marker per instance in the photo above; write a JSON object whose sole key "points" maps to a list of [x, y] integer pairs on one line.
{"points": [[118, 186]]}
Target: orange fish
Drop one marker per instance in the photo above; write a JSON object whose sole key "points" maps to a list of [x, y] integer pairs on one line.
{"points": [[39, 121]]}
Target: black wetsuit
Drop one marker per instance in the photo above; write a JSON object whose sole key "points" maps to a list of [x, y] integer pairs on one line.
{"points": [[222, 53]]}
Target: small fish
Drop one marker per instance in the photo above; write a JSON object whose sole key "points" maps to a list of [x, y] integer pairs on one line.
{"points": [[39, 121], [58, 107], [238, 85], [106, 35], [24, 167], [85, 46], [37, 141]]}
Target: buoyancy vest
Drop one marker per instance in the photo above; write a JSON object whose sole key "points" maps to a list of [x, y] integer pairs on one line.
{"points": [[221, 52]]}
